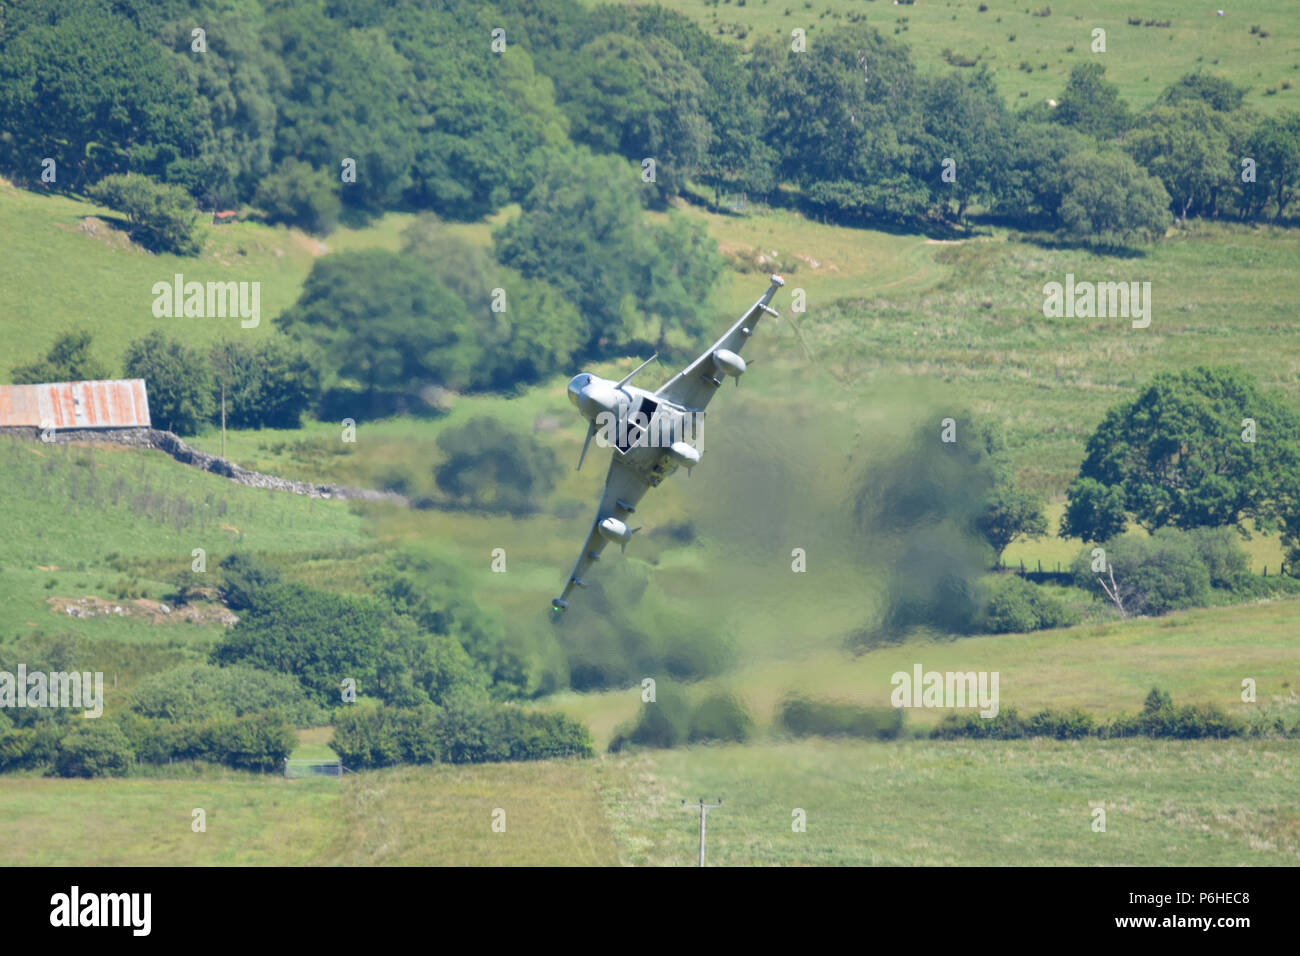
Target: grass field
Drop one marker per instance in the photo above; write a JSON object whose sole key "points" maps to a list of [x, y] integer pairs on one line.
{"points": [[918, 803], [1103, 668], [1142, 60], [985, 804]]}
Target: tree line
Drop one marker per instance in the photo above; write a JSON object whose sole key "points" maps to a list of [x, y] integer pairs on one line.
{"points": [[312, 114]]}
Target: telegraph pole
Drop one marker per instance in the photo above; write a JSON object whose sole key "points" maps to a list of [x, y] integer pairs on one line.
{"points": [[704, 809]]}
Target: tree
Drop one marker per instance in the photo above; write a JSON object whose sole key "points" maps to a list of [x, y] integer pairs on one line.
{"points": [[1182, 454], [178, 380], [161, 217], [1010, 514], [1108, 200], [1030, 186], [89, 89], [640, 98], [266, 385], [582, 231], [380, 319], [491, 467], [1091, 105], [1275, 147], [1095, 512], [968, 123], [527, 328], [737, 157], [1215, 91], [1187, 148], [68, 360], [298, 195], [235, 115], [844, 114], [342, 94], [322, 638]]}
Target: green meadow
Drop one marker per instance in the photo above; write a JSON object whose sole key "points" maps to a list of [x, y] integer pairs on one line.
{"points": [[1031, 54], [1030, 803]]}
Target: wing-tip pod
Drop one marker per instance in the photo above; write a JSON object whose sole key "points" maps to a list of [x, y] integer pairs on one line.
{"points": [[558, 605]]}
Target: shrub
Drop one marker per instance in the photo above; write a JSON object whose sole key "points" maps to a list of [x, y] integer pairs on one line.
{"points": [[178, 379], [721, 717], [260, 742], [804, 717], [1007, 725], [376, 735], [1154, 575], [267, 385], [298, 195], [198, 692], [98, 748], [663, 722], [1161, 718], [364, 736], [161, 217], [1221, 553], [1019, 606], [1070, 725]]}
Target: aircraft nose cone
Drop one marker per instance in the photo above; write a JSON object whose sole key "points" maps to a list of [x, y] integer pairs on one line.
{"points": [[575, 389]]}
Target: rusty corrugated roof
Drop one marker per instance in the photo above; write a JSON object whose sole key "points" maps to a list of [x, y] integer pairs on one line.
{"points": [[121, 403]]}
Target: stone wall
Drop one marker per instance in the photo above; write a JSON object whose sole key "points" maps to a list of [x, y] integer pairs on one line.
{"points": [[170, 443]]}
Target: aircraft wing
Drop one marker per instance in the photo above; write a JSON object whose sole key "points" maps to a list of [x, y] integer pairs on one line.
{"points": [[692, 387], [624, 488]]}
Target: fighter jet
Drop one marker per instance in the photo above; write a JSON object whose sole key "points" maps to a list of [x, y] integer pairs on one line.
{"points": [[650, 433]]}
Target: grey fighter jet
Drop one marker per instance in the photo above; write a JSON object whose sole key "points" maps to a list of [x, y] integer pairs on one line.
{"points": [[650, 432]]}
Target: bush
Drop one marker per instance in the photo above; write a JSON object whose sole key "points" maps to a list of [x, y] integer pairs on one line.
{"points": [[1160, 717], [178, 379], [1019, 606], [804, 717], [260, 742], [267, 385], [364, 737], [721, 717], [663, 722], [99, 748], [296, 194], [161, 217], [1154, 575], [244, 578], [68, 360], [492, 467], [1007, 725], [1073, 724], [1219, 549], [323, 638], [378, 736], [199, 692]]}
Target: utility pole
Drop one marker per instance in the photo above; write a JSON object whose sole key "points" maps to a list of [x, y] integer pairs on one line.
{"points": [[704, 809], [223, 416]]}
